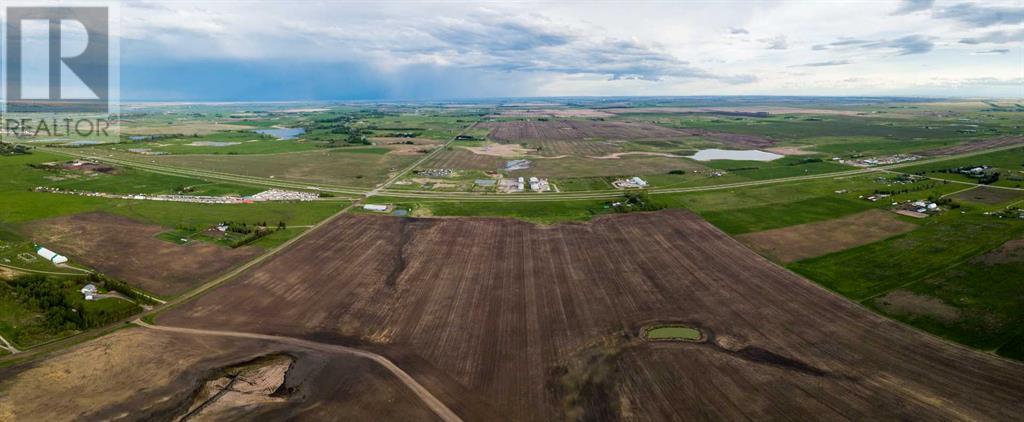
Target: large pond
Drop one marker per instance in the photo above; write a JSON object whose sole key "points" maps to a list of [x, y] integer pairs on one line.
{"points": [[732, 154], [282, 132]]}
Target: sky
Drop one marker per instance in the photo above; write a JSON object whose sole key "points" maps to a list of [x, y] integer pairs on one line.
{"points": [[402, 50]]}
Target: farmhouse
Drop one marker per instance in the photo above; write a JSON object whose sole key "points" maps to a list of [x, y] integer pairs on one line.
{"points": [[539, 185], [631, 183], [51, 255], [89, 291]]}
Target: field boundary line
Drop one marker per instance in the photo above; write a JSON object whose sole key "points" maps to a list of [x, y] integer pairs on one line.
{"points": [[959, 191], [435, 404]]}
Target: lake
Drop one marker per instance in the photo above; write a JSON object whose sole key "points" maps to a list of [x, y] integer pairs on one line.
{"points": [[731, 154], [282, 132]]}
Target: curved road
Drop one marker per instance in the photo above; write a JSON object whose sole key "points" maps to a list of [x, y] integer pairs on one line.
{"points": [[436, 405]]}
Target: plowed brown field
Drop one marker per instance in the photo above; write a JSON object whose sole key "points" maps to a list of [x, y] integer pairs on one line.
{"points": [[542, 322], [975, 146], [129, 250]]}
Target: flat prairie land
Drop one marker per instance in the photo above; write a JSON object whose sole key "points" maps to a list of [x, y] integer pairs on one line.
{"points": [[554, 112], [129, 250], [567, 130], [180, 128], [153, 375], [359, 167], [627, 165], [543, 322], [809, 240], [977, 145]]}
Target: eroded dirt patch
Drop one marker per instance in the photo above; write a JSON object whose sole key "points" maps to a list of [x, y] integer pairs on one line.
{"points": [[250, 384], [132, 371]]}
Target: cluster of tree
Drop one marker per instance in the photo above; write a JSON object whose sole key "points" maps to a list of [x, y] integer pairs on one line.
{"points": [[806, 161], [120, 287], [340, 125], [635, 201], [14, 149], [244, 228], [151, 138], [914, 188], [989, 178], [984, 176], [55, 299], [252, 233]]}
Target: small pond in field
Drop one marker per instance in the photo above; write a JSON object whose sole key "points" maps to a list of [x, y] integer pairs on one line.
{"points": [[672, 333], [732, 154], [282, 132]]}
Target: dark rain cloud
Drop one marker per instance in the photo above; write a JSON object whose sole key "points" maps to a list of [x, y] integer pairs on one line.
{"points": [[911, 6], [509, 44], [738, 31], [981, 16], [996, 37]]}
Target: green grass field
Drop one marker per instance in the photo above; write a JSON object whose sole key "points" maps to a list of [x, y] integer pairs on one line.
{"points": [[943, 266], [672, 332], [18, 204], [942, 243]]}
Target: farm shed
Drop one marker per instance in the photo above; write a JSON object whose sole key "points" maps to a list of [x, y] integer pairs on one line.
{"points": [[51, 255], [378, 208]]}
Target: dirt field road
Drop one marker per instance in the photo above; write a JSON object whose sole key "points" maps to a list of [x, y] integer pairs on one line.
{"points": [[429, 399], [6, 345]]}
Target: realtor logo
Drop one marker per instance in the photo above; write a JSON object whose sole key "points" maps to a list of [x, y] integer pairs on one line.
{"points": [[58, 60]]}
